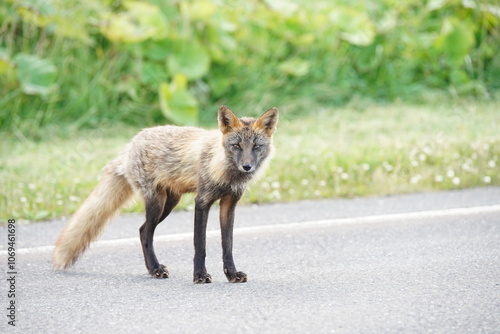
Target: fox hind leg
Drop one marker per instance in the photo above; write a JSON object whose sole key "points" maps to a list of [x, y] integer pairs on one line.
{"points": [[158, 207]]}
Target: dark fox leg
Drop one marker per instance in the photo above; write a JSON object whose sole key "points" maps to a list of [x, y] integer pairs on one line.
{"points": [[227, 208], [157, 209], [200, 230]]}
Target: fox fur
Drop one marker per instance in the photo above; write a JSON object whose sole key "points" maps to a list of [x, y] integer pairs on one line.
{"points": [[163, 163]]}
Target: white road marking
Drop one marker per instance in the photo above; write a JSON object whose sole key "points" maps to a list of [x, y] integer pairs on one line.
{"points": [[375, 219]]}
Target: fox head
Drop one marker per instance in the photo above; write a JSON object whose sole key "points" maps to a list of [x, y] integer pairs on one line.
{"points": [[247, 141]]}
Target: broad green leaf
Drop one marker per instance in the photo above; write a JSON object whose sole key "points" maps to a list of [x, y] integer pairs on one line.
{"points": [[456, 39], [304, 40], [177, 103], [140, 22], [67, 28], [58, 18], [156, 50], [295, 67], [36, 75], [180, 81], [164, 94], [355, 27], [459, 77], [201, 10], [7, 70], [437, 4], [190, 58], [282, 6], [183, 108], [5, 66]]}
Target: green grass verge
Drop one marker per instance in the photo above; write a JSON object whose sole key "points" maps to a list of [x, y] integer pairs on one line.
{"points": [[356, 151]]}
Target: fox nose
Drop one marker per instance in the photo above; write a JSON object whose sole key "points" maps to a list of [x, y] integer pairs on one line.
{"points": [[247, 167]]}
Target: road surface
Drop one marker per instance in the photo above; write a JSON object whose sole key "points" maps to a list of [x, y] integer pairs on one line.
{"points": [[413, 263]]}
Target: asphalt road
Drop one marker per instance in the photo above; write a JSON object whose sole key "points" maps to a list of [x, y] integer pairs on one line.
{"points": [[412, 264]]}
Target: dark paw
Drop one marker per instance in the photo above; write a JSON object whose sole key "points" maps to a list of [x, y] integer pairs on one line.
{"points": [[238, 277], [161, 272], [202, 278]]}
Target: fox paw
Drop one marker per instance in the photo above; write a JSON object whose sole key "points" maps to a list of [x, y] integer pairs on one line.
{"points": [[161, 272], [238, 277], [202, 278]]}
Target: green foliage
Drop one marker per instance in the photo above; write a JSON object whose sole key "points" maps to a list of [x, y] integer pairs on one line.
{"points": [[85, 62], [177, 103], [36, 76]]}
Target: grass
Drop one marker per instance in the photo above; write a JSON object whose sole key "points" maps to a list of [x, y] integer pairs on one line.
{"points": [[362, 149]]}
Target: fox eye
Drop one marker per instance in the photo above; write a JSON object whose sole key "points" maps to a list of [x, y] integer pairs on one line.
{"points": [[256, 147], [237, 146]]}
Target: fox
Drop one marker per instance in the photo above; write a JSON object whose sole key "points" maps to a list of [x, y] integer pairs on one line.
{"points": [[161, 164]]}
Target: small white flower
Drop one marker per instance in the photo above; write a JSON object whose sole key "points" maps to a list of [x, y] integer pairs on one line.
{"points": [[344, 176], [60, 202], [304, 182], [275, 185], [422, 157], [74, 199], [317, 193], [23, 199], [313, 168], [438, 178], [456, 181], [322, 183], [366, 167], [414, 163], [450, 173], [276, 194], [492, 163], [487, 179], [31, 186], [416, 179]]}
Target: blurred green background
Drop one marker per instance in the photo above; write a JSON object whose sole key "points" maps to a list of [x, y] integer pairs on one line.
{"points": [[416, 82]]}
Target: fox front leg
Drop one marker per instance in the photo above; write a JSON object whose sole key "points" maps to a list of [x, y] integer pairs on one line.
{"points": [[201, 210], [227, 208]]}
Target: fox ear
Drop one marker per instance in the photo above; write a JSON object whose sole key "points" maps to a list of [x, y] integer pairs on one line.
{"points": [[228, 121], [268, 121]]}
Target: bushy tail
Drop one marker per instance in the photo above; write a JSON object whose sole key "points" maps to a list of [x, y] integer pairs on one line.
{"points": [[89, 220]]}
